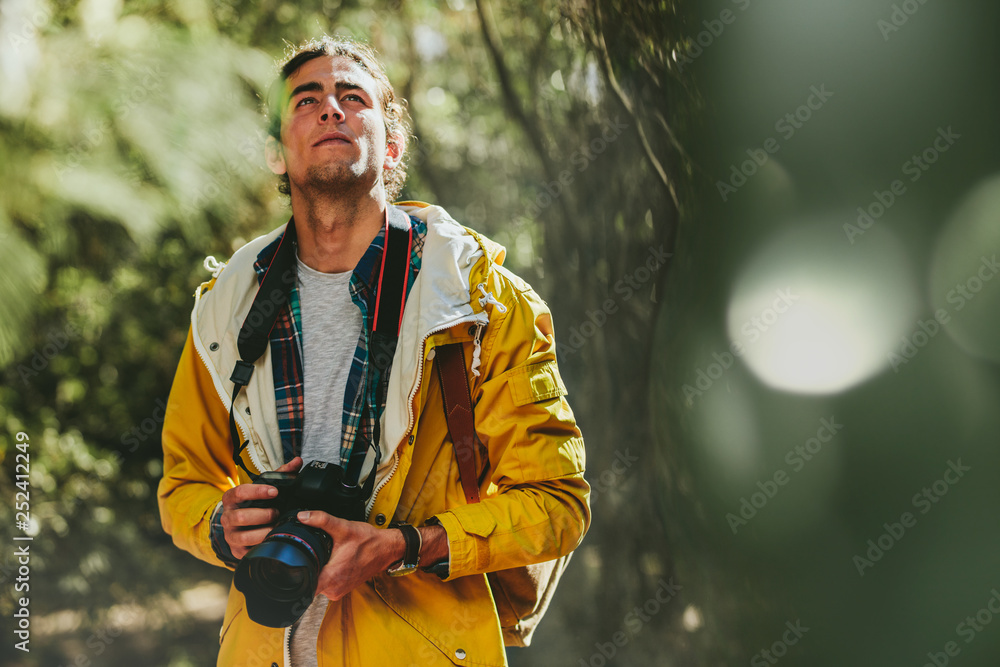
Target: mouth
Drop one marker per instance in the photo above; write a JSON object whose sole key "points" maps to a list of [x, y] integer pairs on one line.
{"points": [[332, 139]]}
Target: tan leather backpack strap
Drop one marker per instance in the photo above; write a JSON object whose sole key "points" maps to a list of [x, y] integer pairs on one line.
{"points": [[454, 378]]}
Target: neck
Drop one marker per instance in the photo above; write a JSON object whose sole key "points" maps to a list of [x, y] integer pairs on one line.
{"points": [[334, 233]]}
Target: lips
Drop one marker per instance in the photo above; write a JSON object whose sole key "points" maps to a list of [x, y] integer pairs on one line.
{"points": [[332, 138]]}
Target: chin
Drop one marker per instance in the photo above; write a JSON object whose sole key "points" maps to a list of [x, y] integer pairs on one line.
{"points": [[340, 177]]}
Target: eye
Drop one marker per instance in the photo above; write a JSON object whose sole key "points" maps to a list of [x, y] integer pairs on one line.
{"points": [[354, 96], [304, 100]]}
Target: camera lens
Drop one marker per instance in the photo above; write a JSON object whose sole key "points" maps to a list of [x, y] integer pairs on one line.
{"points": [[278, 577], [278, 580]]}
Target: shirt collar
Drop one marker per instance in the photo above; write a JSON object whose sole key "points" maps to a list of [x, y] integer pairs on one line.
{"points": [[366, 270]]}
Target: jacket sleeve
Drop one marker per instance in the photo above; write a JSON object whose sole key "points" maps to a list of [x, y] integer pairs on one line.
{"points": [[536, 505], [197, 463]]}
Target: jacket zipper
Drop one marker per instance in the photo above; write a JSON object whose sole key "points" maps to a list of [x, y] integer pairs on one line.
{"points": [[288, 646], [477, 318], [378, 487], [200, 349]]}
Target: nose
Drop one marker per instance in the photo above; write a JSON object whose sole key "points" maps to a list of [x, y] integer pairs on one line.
{"points": [[331, 108]]}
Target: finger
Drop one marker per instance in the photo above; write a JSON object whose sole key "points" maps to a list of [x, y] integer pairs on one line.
{"points": [[291, 466], [247, 537], [237, 518], [232, 498], [241, 541], [322, 520]]}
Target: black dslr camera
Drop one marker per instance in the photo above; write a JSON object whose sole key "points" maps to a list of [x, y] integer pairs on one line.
{"points": [[278, 577]]}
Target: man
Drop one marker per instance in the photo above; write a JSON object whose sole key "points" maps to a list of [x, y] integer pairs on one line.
{"points": [[338, 139]]}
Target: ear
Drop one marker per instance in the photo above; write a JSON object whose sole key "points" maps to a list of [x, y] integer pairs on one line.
{"points": [[394, 151], [274, 155]]}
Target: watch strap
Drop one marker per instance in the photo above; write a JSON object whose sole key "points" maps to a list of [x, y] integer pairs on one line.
{"points": [[411, 555]]}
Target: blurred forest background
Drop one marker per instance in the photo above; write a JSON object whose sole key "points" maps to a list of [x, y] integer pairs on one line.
{"points": [[767, 232]]}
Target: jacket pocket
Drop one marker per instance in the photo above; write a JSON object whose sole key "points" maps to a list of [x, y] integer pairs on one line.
{"points": [[480, 523], [536, 382], [458, 618]]}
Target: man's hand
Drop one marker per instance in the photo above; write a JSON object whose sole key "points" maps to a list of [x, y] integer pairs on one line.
{"points": [[246, 527], [360, 551]]}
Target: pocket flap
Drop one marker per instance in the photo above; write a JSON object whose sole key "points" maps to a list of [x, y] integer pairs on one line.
{"points": [[478, 523], [536, 382]]}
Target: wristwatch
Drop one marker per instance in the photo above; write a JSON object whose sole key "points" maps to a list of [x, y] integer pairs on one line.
{"points": [[411, 556]]}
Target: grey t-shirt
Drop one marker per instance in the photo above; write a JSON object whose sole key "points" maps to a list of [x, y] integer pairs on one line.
{"points": [[331, 326]]}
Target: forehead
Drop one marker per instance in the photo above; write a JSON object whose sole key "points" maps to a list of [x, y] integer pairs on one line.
{"points": [[329, 70]]}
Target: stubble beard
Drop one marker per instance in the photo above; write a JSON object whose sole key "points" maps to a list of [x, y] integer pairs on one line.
{"points": [[345, 180]]}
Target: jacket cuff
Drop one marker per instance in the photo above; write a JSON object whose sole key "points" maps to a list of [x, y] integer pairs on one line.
{"points": [[468, 528], [218, 539]]}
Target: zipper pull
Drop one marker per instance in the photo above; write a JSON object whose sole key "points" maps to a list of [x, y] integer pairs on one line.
{"points": [[477, 349]]}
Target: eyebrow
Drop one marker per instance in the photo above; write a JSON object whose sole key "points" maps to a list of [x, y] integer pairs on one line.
{"points": [[316, 86]]}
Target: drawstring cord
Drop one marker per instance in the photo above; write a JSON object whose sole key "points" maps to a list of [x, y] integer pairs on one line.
{"points": [[487, 298], [213, 265]]}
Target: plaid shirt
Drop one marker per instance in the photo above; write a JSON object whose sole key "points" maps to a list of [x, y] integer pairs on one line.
{"points": [[286, 352]]}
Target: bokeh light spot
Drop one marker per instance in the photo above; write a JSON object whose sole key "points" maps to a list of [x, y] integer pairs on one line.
{"points": [[813, 314]]}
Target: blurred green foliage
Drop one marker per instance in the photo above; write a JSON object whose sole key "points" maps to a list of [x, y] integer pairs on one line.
{"points": [[131, 148]]}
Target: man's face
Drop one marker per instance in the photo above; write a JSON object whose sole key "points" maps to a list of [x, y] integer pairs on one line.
{"points": [[332, 129]]}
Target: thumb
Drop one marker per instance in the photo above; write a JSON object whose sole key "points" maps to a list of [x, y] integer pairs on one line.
{"points": [[291, 466], [321, 520]]}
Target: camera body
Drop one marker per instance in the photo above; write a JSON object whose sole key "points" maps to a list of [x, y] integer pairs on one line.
{"points": [[278, 577], [317, 486]]}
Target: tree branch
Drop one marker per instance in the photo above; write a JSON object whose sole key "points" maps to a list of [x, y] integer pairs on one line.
{"points": [[531, 126], [626, 102]]}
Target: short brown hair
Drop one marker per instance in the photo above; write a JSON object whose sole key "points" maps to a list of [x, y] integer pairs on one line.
{"points": [[393, 108]]}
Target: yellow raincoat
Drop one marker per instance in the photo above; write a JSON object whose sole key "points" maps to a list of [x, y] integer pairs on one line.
{"points": [[535, 499]]}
